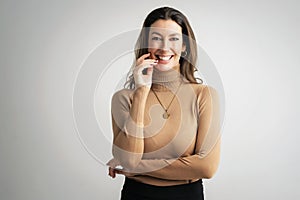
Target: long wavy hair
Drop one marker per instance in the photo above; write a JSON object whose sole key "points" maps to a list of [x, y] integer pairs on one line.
{"points": [[187, 62]]}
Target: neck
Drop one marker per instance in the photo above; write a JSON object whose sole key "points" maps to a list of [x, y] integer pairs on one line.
{"points": [[166, 80]]}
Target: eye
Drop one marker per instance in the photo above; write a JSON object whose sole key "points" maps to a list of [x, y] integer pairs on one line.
{"points": [[156, 38], [174, 38]]}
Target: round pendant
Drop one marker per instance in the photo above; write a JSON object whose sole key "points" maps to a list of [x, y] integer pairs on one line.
{"points": [[166, 115]]}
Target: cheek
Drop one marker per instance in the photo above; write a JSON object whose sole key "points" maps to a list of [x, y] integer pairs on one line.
{"points": [[177, 48]]}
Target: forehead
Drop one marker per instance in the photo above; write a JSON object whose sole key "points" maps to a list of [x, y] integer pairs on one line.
{"points": [[165, 27]]}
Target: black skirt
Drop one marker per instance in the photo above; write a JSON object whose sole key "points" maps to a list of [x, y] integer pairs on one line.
{"points": [[133, 190]]}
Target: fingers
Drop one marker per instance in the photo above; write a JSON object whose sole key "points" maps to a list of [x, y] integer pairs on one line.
{"points": [[146, 63], [143, 71], [111, 172], [143, 63], [139, 70], [150, 70], [149, 63], [143, 57]]}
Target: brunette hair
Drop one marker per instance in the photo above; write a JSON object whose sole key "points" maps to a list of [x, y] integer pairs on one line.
{"points": [[188, 62]]}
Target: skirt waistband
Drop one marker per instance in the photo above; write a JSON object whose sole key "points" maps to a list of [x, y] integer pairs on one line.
{"points": [[163, 192]]}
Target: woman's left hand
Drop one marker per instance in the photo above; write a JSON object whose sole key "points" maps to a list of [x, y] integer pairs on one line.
{"points": [[112, 173]]}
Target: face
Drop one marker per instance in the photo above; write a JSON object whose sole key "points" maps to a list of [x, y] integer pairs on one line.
{"points": [[165, 44]]}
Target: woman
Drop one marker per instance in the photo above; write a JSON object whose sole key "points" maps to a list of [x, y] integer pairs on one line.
{"points": [[165, 124]]}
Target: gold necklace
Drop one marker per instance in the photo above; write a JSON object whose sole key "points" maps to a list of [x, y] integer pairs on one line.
{"points": [[166, 115]]}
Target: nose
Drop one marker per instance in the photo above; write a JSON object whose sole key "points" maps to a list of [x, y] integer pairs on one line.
{"points": [[165, 45]]}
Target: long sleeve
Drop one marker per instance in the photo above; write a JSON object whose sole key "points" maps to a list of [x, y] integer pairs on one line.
{"points": [[205, 160], [127, 122]]}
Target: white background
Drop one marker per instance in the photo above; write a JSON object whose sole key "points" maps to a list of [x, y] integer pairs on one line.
{"points": [[254, 45]]}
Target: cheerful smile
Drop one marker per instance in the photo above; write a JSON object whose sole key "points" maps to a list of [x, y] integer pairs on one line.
{"points": [[164, 58]]}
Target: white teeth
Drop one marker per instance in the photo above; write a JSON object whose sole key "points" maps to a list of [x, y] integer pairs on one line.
{"points": [[165, 57]]}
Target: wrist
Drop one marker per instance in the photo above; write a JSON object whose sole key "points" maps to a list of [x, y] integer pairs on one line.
{"points": [[142, 90]]}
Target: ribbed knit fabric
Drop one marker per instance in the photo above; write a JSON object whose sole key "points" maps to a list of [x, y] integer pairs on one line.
{"points": [[166, 80]]}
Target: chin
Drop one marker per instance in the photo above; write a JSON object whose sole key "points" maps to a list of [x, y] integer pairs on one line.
{"points": [[163, 67]]}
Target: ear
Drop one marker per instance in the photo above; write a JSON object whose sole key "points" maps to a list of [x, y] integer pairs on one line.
{"points": [[183, 47]]}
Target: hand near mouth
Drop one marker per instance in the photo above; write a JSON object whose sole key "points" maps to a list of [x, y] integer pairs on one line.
{"points": [[142, 73]]}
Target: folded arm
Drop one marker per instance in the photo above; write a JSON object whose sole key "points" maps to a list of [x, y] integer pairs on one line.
{"points": [[205, 161], [183, 168], [127, 122]]}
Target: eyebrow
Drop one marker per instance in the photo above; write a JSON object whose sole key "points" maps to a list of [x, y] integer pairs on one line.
{"points": [[173, 34]]}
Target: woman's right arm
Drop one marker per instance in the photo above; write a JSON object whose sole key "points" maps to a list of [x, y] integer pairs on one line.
{"points": [[128, 116], [127, 123]]}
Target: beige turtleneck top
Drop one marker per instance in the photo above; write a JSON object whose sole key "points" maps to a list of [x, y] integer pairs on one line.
{"points": [[178, 150]]}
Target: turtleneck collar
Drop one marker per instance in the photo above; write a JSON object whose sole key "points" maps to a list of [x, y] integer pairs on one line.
{"points": [[166, 80]]}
